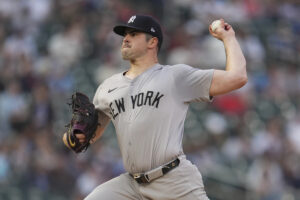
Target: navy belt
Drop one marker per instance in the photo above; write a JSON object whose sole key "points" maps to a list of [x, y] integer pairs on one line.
{"points": [[149, 176]]}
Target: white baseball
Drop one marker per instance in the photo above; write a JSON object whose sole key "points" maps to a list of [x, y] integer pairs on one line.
{"points": [[215, 25]]}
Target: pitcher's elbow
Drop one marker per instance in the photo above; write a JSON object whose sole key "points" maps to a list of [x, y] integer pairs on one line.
{"points": [[244, 77], [243, 80]]}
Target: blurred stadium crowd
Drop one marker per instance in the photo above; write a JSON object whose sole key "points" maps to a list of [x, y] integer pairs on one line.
{"points": [[246, 144]]}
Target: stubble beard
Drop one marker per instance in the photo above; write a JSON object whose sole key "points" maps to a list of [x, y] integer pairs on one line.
{"points": [[131, 55], [126, 55]]}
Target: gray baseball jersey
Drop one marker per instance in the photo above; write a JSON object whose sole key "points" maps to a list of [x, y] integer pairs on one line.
{"points": [[148, 112]]}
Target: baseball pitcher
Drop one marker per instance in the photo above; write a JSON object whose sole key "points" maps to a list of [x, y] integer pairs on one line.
{"points": [[147, 105]]}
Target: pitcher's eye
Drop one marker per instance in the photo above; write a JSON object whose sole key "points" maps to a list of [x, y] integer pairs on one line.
{"points": [[132, 34]]}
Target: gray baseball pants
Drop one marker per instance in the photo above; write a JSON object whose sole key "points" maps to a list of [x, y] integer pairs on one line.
{"points": [[182, 183]]}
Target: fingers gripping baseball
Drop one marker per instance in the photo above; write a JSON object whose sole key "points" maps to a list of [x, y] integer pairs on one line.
{"points": [[221, 29]]}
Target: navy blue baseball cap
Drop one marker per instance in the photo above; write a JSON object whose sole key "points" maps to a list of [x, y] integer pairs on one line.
{"points": [[143, 23]]}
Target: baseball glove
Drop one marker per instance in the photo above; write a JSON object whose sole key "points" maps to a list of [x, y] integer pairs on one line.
{"points": [[84, 121]]}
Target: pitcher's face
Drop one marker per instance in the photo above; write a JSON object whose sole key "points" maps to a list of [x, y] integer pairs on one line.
{"points": [[134, 44]]}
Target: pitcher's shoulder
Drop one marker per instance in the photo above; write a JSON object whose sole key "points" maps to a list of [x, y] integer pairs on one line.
{"points": [[112, 79], [176, 67]]}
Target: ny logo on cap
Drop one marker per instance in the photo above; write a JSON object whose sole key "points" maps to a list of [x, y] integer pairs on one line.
{"points": [[131, 20], [152, 30]]}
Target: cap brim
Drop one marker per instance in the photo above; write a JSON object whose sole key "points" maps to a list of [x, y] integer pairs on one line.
{"points": [[120, 29]]}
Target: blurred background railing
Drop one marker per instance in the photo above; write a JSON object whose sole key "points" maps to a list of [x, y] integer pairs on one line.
{"points": [[246, 144]]}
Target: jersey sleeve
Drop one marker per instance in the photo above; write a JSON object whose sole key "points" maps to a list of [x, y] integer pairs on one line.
{"points": [[99, 101], [96, 99], [192, 84]]}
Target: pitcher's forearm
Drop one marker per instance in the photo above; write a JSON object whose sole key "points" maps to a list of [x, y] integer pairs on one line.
{"points": [[99, 132], [235, 60], [235, 74]]}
